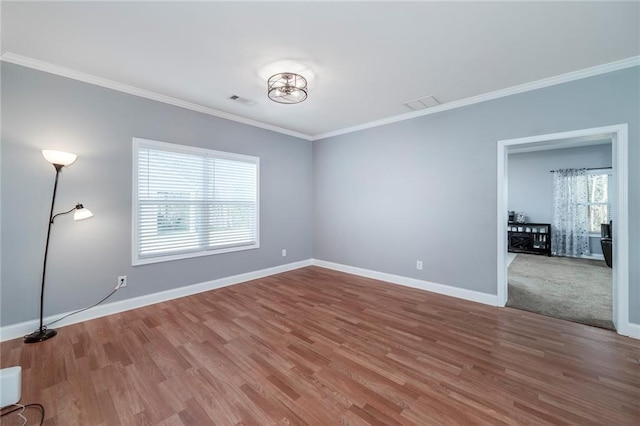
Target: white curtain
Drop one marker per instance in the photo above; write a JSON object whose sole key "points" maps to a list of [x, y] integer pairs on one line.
{"points": [[570, 232]]}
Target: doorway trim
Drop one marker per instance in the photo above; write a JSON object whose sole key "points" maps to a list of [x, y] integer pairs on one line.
{"points": [[619, 145]]}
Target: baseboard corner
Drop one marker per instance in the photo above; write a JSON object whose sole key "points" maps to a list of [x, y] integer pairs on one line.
{"points": [[447, 290], [633, 330]]}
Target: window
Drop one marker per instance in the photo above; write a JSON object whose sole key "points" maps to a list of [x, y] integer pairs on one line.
{"points": [[599, 208], [191, 202]]}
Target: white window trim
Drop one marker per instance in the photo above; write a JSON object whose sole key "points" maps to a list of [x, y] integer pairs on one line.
{"points": [[139, 142], [605, 171]]}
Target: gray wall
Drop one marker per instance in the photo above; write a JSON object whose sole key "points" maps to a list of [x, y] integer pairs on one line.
{"points": [[531, 184], [426, 188], [384, 197], [41, 110]]}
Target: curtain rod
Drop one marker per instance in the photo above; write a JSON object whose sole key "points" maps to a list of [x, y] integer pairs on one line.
{"points": [[590, 168]]}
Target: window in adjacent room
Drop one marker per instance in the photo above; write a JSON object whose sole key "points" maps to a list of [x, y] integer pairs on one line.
{"points": [[599, 204], [191, 202]]}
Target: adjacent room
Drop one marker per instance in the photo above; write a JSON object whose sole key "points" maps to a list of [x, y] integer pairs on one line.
{"points": [[319, 213], [557, 266]]}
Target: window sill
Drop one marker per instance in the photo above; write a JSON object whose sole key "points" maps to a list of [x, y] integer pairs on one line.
{"points": [[169, 258]]}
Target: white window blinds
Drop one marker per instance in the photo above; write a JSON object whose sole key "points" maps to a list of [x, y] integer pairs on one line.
{"points": [[192, 202]]}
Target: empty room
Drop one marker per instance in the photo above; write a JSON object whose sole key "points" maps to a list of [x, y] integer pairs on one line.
{"points": [[319, 213]]}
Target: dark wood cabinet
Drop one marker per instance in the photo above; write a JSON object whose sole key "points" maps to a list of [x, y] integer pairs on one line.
{"points": [[533, 238]]}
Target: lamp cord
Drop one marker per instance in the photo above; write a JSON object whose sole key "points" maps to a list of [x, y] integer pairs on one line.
{"points": [[23, 407], [83, 309]]}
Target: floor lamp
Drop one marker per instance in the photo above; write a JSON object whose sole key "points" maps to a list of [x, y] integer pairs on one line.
{"points": [[59, 160]]}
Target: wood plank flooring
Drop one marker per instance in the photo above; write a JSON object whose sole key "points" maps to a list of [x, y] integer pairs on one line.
{"points": [[319, 347]]}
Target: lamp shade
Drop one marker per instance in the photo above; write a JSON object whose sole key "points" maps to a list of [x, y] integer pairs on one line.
{"points": [[81, 213], [59, 157]]}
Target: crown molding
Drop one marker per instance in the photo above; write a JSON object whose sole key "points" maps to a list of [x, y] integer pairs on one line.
{"points": [[25, 61], [36, 64], [634, 61]]}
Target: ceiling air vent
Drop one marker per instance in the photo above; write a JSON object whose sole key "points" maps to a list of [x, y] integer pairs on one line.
{"points": [[241, 100], [422, 103]]}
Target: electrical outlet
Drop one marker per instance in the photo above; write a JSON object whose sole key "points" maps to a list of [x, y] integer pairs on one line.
{"points": [[122, 281], [419, 265], [284, 252]]}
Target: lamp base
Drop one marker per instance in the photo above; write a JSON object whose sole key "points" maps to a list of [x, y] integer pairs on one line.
{"points": [[40, 335]]}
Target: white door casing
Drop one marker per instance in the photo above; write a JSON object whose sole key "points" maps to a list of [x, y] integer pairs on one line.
{"points": [[618, 134]]}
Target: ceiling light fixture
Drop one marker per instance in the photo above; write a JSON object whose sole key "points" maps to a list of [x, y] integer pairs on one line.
{"points": [[287, 88]]}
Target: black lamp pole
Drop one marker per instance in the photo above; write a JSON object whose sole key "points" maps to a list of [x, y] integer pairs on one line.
{"points": [[42, 333]]}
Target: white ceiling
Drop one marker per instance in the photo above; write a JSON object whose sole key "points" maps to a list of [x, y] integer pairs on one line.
{"points": [[363, 60]]}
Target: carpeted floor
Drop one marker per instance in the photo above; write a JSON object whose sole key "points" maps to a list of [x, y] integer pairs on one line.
{"points": [[577, 290]]}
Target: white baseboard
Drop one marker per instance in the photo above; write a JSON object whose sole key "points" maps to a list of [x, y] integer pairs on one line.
{"points": [[633, 330], [460, 293], [18, 330], [592, 256]]}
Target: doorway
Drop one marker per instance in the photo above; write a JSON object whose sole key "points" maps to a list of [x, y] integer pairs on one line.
{"points": [[619, 143]]}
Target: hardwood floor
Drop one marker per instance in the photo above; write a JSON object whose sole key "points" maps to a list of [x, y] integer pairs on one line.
{"points": [[315, 346]]}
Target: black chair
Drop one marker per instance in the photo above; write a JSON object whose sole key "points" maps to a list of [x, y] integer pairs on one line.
{"points": [[607, 243]]}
